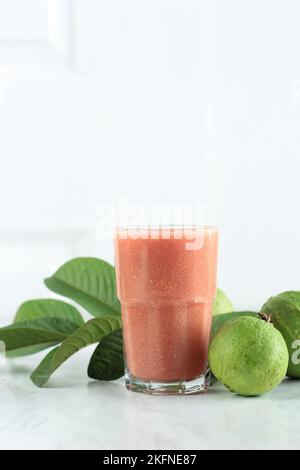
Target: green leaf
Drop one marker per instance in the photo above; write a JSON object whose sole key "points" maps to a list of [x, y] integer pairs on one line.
{"points": [[107, 362], [29, 350], [93, 331], [63, 327], [41, 374], [40, 308], [20, 339], [90, 282], [60, 325]]}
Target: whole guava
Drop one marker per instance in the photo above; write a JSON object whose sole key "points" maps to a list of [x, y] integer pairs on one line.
{"points": [[249, 356], [283, 311], [222, 303]]}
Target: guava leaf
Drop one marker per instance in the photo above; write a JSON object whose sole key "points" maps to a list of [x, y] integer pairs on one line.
{"points": [[90, 282], [107, 362], [93, 331], [51, 324], [30, 337], [40, 308]]}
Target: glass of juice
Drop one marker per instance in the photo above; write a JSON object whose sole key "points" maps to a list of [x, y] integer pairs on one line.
{"points": [[166, 283]]}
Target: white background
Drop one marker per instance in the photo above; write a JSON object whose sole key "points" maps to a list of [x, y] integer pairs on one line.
{"points": [[161, 100]]}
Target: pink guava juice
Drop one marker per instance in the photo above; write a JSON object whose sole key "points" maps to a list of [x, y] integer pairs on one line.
{"points": [[166, 283]]}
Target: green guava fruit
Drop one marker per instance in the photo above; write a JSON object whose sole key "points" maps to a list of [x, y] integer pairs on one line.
{"points": [[219, 320], [249, 356], [221, 304], [283, 311]]}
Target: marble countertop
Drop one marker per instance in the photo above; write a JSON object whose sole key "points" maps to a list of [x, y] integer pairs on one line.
{"points": [[74, 412]]}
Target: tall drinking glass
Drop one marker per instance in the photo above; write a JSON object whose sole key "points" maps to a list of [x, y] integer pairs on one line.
{"points": [[166, 283]]}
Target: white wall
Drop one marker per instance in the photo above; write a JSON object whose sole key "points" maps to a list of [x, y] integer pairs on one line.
{"points": [[168, 100], [254, 67]]}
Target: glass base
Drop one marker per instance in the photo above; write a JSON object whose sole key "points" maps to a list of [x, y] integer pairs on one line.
{"points": [[184, 387]]}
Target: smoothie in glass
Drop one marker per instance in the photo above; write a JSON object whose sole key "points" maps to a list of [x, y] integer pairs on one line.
{"points": [[166, 283]]}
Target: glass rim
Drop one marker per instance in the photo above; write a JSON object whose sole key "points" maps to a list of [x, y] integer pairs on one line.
{"points": [[167, 227]]}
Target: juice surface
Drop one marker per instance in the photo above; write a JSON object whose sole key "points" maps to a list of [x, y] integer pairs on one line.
{"points": [[166, 283]]}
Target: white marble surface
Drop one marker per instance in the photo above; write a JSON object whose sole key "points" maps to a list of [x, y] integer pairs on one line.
{"points": [[74, 412]]}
